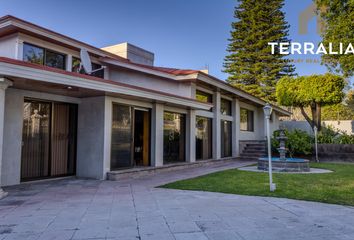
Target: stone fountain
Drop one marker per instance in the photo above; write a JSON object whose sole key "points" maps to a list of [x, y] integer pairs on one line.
{"points": [[282, 163]]}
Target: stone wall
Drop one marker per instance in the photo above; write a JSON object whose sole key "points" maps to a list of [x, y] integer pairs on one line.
{"points": [[336, 152]]}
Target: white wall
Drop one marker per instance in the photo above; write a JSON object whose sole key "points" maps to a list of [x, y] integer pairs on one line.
{"points": [[154, 83], [8, 46], [258, 133], [90, 135]]}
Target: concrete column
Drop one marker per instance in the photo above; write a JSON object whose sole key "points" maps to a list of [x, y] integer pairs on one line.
{"points": [[4, 84], [157, 135], [106, 73], [19, 50], [193, 90], [216, 126], [69, 63], [236, 128], [190, 143]]}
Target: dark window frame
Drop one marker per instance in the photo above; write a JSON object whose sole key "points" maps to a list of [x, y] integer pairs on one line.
{"points": [[99, 74], [44, 57], [209, 134], [183, 131], [226, 111], [249, 120], [226, 138], [201, 93]]}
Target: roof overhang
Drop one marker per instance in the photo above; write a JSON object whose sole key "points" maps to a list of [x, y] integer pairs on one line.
{"points": [[238, 92], [10, 24], [19, 69]]}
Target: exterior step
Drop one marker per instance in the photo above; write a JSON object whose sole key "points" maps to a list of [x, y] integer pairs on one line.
{"points": [[253, 151], [256, 148], [247, 158], [252, 155], [138, 172]]}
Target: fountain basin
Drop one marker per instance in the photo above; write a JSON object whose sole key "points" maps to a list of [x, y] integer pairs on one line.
{"points": [[290, 165]]}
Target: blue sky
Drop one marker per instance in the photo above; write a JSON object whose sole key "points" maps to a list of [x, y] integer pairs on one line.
{"points": [[181, 33]]}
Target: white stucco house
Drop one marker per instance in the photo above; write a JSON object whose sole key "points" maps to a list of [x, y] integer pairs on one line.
{"points": [[57, 121]]}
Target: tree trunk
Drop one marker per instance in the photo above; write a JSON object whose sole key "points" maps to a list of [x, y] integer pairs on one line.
{"points": [[308, 119], [318, 113]]}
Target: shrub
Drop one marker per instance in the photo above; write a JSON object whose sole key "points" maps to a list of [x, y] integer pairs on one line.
{"points": [[328, 135], [298, 143]]}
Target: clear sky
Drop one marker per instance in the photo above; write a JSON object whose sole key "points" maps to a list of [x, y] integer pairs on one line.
{"points": [[183, 34]]}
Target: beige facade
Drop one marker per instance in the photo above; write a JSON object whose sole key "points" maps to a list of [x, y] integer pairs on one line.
{"points": [[131, 97]]}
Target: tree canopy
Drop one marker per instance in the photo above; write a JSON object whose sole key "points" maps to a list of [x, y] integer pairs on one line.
{"points": [[313, 91], [250, 64], [339, 18], [349, 100]]}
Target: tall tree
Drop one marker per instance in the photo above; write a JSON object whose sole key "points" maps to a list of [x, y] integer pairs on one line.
{"points": [[349, 100], [250, 63], [339, 18], [313, 91]]}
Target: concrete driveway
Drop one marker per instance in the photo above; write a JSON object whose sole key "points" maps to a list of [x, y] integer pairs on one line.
{"points": [[134, 209]]}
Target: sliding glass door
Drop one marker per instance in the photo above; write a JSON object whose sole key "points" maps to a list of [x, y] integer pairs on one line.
{"points": [[48, 139], [130, 143], [174, 137], [122, 136], [226, 138], [203, 138]]}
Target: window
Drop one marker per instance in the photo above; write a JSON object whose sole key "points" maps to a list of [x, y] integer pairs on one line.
{"points": [[204, 97], [225, 107], [43, 56], [174, 137], [33, 54], [226, 138], [53, 59], [246, 120], [100, 73], [76, 68], [203, 138]]}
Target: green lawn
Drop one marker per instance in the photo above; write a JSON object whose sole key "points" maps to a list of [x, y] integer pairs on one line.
{"points": [[336, 187]]}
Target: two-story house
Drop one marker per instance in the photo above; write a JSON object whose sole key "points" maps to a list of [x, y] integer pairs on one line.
{"points": [[56, 120]]}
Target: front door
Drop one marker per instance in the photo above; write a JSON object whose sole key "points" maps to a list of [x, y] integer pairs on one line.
{"points": [[48, 139], [130, 137]]}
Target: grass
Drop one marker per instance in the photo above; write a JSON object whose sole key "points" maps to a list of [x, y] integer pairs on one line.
{"points": [[336, 187]]}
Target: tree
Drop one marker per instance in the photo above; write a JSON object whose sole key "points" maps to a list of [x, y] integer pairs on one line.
{"points": [[337, 112], [250, 64], [339, 18], [313, 91], [349, 100]]}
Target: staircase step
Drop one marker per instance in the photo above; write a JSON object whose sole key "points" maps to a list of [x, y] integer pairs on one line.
{"points": [[256, 152], [255, 145], [256, 148], [247, 158], [252, 155]]}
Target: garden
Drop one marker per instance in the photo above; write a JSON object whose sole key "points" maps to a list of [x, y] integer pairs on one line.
{"points": [[336, 187], [301, 144]]}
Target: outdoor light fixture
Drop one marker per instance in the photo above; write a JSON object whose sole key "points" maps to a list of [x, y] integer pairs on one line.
{"points": [[316, 146], [267, 109]]}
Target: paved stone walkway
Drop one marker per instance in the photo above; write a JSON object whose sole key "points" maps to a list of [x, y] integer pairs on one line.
{"points": [[133, 210]]}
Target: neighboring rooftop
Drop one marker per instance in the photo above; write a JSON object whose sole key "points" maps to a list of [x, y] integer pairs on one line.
{"points": [[131, 52]]}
